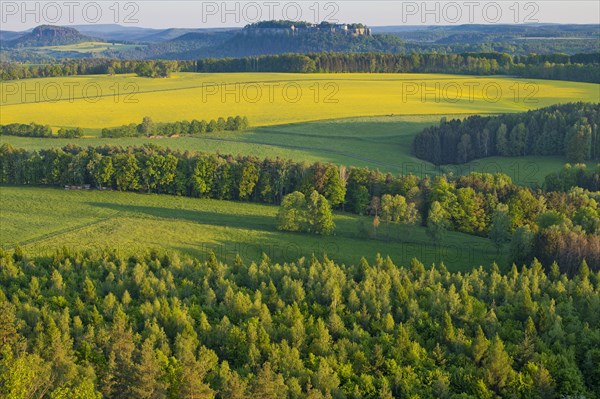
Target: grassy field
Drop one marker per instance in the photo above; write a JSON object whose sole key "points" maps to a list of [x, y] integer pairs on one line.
{"points": [[372, 124], [85, 47], [42, 219], [272, 98], [376, 142]]}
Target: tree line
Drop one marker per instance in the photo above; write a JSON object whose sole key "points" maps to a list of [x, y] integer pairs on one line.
{"points": [[144, 129], [92, 66], [148, 128], [155, 325], [568, 129], [578, 67], [35, 130], [532, 223]]}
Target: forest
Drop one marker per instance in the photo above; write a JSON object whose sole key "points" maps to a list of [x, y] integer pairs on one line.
{"points": [[578, 67], [570, 130], [531, 223], [157, 325]]}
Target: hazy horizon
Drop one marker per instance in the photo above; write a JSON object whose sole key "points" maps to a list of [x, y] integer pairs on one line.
{"points": [[20, 16], [239, 27]]}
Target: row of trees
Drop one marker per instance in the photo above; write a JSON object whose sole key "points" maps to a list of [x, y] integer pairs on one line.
{"points": [[361, 62], [89, 66], [468, 204], [160, 326], [148, 128], [26, 130], [579, 67], [35, 130], [568, 129]]}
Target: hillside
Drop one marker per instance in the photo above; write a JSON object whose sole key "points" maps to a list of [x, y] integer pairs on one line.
{"points": [[518, 39], [269, 37], [277, 37], [114, 32], [6, 36], [258, 42]]}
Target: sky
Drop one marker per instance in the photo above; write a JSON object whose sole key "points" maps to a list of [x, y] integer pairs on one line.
{"points": [[22, 15]]}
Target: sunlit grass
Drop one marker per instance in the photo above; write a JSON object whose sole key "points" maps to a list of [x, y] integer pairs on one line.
{"points": [[43, 219]]}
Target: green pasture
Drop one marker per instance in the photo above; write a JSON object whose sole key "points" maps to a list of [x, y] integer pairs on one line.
{"points": [[382, 143], [42, 219]]}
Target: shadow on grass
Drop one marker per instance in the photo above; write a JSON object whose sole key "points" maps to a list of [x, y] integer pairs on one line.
{"points": [[253, 222], [345, 246]]}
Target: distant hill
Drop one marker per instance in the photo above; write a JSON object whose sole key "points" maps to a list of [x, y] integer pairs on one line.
{"points": [[48, 35], [243, 44], [277, 37], [181, 33], [115, 32], [6, 36], [481, 33], [168, 34], [188, 46]]}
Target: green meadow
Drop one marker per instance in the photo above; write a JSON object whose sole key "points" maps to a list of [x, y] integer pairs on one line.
{"points": [[382, 143], [42, 219], [85, 48]]}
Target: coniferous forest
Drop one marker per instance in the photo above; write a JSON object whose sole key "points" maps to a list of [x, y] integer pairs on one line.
{"points": [[570, 130], [98, 325]]}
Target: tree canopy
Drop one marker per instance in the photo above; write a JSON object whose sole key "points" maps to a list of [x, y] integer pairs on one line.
{"points": [[160, 325]]}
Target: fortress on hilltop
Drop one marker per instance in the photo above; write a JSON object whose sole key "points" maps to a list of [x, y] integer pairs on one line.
{"points": [[301, 27]]}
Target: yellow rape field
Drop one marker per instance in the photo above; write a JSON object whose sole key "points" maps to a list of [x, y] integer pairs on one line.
{"points": [[97, 101]]}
